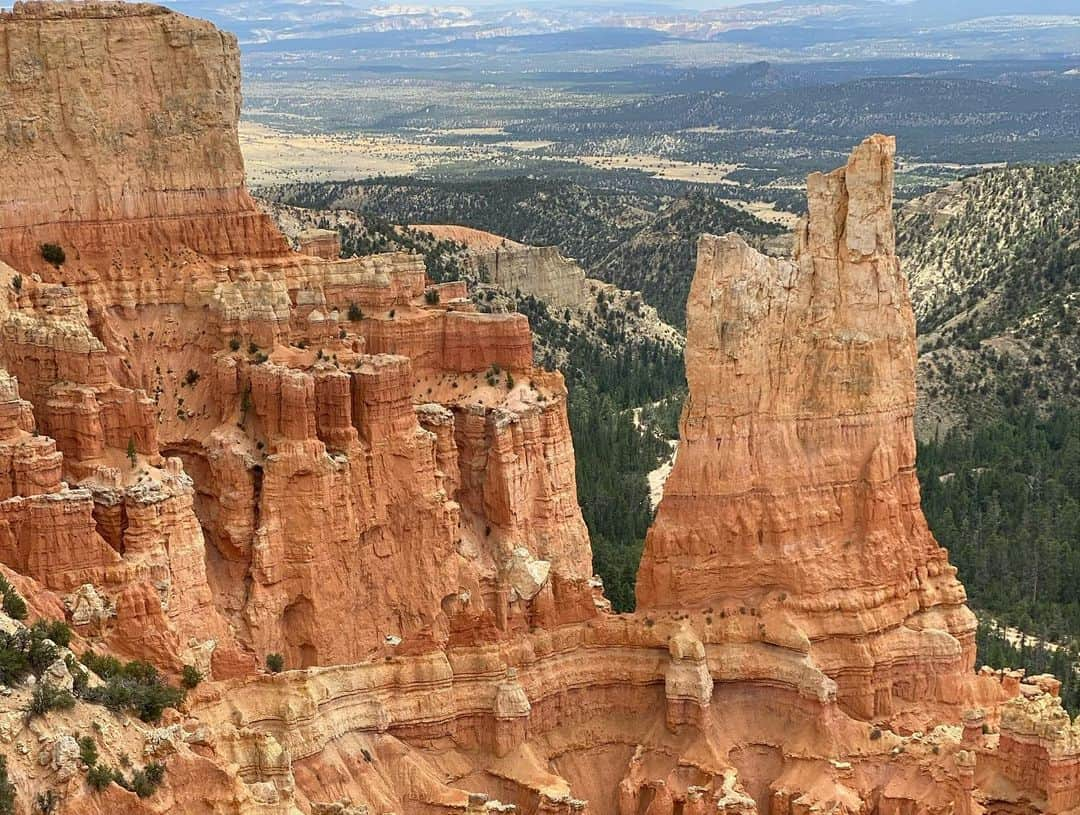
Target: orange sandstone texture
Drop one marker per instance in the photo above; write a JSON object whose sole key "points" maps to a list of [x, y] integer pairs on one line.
{"points": [[213, 448]]}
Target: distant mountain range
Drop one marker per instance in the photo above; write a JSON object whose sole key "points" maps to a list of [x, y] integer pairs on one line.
{"points": [[1008, 27]]}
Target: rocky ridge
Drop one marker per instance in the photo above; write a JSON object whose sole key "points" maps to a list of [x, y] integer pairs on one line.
{"points": [[205, 459]]}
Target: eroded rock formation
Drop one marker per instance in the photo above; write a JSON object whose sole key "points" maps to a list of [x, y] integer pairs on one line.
{"points": [[225, 423], [213, 448], [794, 492]]}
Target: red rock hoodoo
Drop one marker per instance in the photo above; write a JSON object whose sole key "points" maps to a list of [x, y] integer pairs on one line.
{"points": [[794, 493], [213, 448]]}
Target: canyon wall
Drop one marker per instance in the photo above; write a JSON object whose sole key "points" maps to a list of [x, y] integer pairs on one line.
{"points": [[213, 449]]}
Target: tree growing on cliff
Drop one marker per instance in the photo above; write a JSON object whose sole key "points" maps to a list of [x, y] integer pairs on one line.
{"points": [[132, 453], [275, 663]]}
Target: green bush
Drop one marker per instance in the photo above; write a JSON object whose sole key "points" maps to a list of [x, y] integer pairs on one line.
{"points": [[30, 650], [134, 686], [7, 789], [14, 606], [234, 344], [48, 697], [88, 752], [355, 313], [145, 782], [190, 677], [56, 630], [53, 253], [16, 282], [275, 663], [14, 662], [431, 296], [100, 776], [40, 652]]}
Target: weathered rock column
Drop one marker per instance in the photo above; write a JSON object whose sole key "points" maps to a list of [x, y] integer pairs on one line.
{"points": [[512, 711], [688, 684]]}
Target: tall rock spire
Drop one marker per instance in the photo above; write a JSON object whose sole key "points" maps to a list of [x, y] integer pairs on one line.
{"points": [[795, 488]]}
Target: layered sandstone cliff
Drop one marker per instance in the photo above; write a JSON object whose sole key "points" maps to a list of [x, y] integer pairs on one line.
{"points": [[212, 449], [243, 431]]}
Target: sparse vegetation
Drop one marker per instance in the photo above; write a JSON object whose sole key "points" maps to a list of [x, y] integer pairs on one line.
{"points": [[100, 776], [355, 313], [46, 801], [132, 452], [16, 282], [145, 782], [431, 297], [191, 377], [275, 663], [26, 651], [234, 344]]}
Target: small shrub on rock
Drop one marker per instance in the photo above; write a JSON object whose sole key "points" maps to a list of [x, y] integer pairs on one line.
{"points": [[145, 782], [46, 698], [13, 604], [53, 253], [134, 686], [275, 663], [88, 752], [100, 776], [190, 677]]}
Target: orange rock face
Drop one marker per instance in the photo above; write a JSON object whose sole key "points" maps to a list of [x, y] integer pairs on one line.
{"points": [[794, 492], [213, 449]]}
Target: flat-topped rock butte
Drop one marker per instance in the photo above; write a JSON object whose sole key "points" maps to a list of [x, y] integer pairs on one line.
{"points": [[213, 448]]}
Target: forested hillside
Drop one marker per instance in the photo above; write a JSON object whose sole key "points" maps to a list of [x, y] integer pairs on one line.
{"points": [[585, 223], [1005, 501], [659, 259], [994, 265]]}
